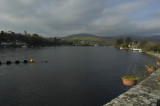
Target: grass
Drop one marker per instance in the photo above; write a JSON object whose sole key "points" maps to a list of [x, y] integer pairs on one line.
{"points": [[85, 38]]}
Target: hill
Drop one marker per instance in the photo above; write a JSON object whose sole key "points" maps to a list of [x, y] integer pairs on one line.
{"points": [[153, 38], [82, 35], [134, 37], [90, 40]]}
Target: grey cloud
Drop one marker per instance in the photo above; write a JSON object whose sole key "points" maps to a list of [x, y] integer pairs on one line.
{"points": [[65, 17], [116, 21]]}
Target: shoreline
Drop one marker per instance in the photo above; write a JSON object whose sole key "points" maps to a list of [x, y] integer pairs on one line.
{"points": [[140, 90], [153, 54], [146, 93]]}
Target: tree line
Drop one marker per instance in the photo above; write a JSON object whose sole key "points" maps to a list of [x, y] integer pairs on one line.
{"points": [[32, 40], [145, 45], [125, 43]]}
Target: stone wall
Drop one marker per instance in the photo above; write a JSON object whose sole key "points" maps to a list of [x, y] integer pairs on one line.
{"points": [[146, 93]]}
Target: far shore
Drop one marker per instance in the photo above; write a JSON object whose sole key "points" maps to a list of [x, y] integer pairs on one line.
{"points": [[153, 54]]}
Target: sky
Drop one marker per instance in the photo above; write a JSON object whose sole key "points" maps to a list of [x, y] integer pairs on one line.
{"points": [[59, 18]]}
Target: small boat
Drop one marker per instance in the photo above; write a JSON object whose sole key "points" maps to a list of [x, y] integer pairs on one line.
{"points": [[137, 49], [121, 48], [24, 46]]}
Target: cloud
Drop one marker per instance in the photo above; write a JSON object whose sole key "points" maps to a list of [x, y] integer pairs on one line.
{"points": [[64, 17]]}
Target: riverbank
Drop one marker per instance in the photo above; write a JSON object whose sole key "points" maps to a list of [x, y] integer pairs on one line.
{"points": [[140, 50], [146, 93], [153, 54]]}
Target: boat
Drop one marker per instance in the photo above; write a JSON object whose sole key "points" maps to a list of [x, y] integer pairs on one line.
{"points": [[120, 48], [137, 49], [24, 46]]}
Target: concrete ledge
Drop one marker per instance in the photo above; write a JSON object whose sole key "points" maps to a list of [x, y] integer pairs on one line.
{"points": [[146, 93]]}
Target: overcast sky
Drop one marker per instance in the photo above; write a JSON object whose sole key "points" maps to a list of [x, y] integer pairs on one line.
{"points": [[59, 18]]}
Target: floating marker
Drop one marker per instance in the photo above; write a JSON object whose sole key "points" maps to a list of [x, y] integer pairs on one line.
{"points": [[44, 61], [25, 61], [8, 62], [32, 61], [17, 61]]}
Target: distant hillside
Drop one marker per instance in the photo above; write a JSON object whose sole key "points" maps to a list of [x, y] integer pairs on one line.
{"points": [[154, 38], [89, 39], [134, 37], [82, 35]]}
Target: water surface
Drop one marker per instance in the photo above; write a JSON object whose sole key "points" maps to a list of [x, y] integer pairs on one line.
{"points": [[73, 76]]}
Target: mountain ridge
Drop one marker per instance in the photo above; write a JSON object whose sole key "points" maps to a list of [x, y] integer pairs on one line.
{"points": [[82, 35], [89, 39], [87, 36]]}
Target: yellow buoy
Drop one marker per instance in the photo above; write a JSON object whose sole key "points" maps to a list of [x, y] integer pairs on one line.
{"points": [[32, 60]]}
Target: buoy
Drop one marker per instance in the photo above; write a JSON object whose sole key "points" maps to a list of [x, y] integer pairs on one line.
{"points": [[44, 61], [8, 62], [32, 60], [25, 61], [17, 61]]}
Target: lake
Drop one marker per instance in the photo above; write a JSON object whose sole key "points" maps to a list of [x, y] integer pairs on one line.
{"points": [[73, 76]]}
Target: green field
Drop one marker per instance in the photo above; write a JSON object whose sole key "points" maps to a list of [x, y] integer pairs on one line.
{"points": [[85, 38]]}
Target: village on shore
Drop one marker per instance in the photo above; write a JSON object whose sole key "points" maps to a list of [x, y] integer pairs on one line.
{"points": [[12, 39]]}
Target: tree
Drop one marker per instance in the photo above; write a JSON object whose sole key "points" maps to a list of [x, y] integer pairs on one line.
{"points": [[25, 32], [142, 43], [128, 40], [119, 41], [2, 32]]}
